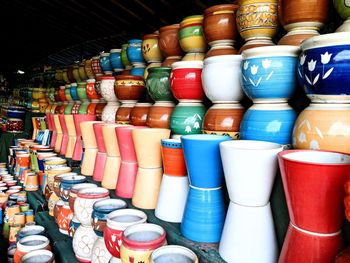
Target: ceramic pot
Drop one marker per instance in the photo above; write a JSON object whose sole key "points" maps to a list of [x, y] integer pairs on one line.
{"points": [[107, 92], [84, 134], [72, 135], [116, 60], [312, 246], [320, 68], [105, 64], [59, 133], [65, 215], [313, 14], [129, 88], [101, 154], [204, 170], [191, 36], [83, 241], [138, 70], [259, 118], [100, 252], [61, 143], [204, 215], [315, 128], [256, 43], [258, 78], [31, 183], [185, 80], [262, 237], [250, 168], [173, 253], [139, 113], [88, 69], [223, 119], [73, 91], [187, 118], [117, 222], [134, 51], [169, 42], [30, 230], [139, 241], [14, 125], [57, 182], [219, 24], [96, 67], [221, 51], [99, 110], [297, 36], [82, 92], [124, 57], [150, 48], [84, 202], [81, 71], [159, 115], [173, 158], [39, 256], [67, 182], [73, 193], [73, 226], [170, 208], [299, 169], [52, 200], [28, 244], [257, 19], [342, 7]]}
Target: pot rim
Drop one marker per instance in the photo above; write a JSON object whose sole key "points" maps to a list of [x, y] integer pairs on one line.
{"points": [[24, 248], [111, 223], [115, 50], [271, 51], [78, 187], [38, 252], [223, 7], [251, 145], [105, 54], [72, 178], [93, 193], [174, 248], [128, 77], [109, 205], [326, 40], [168, 27]]}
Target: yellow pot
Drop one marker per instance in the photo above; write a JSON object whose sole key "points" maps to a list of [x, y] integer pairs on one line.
{"points": [[150, 49]]}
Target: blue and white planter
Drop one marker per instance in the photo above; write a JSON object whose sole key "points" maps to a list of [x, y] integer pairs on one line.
{"points": [[116, 60], [105, 64], [269, 73], [134, 52], [324, 68]]}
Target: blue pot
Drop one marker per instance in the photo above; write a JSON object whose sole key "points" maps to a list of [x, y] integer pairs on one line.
{"points": [[116, 60], [268, 122], [67, 183], [17, 114], [74, 91], [101, 209], [134, 51], [105, 63], [203, 160], [269, 73], [204, 215], [137, 71]]}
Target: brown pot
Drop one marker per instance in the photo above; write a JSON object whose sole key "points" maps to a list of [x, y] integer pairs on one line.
{"points": [[129, 87], [219, 24], [256, 43], [168, 40], [122, 115], [138, 114], [70, 74], [221, 50], [295, 37], [159, 115], [223, 119], [99, 109], [310, 14], [170, 60]]}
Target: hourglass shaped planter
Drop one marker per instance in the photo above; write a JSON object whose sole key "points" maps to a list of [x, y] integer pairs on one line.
{"points": [[107, 92], [101, 155], [65, 136], [72, 135], [59, 137]]}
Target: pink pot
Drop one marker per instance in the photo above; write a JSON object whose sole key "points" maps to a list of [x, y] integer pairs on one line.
{"points": [[126, 179], [313, 182], [65, 134], [54, 132], [101, 154]]}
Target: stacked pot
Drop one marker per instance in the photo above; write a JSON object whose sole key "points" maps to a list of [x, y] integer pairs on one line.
{"points": [[107, 92], [135, 57], [151, 52]]}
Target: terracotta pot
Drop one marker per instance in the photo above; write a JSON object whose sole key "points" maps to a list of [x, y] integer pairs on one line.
{"points": [[219, 24], [72, 135], [70, 74], [256, 43], [295, 37], [129, 87], [91, 91], [76, 73], [99, 110], [220, 51], [64, 131], [170, 60], [68, 182], [139, 113], [191, 36], [81, 71], [150, 48], [122, 115], [101, 154], [88, 69], [173, 158], [168, 40], [65, 215], [57, 182], [159, 115], [28, 244]]}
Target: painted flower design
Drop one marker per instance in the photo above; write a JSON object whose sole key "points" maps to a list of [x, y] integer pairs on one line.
{"points": [[311, 65], [99, 255], [266, 63], [246, 65], [196, 125], [302, 59], [254, 69], [325, 58], [84, 244], [188, 129]]}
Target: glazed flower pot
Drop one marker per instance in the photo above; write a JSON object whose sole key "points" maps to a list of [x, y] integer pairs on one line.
{"points": [[191, 36], [158, 84], [124, 57], [150, 48], [315, 128], [203, 161], [15, 125], [219, 24], [170, 208], [129, 87], [84, 202], [261, 237], [173, 158], [297, 36], [65, 215], [67, 182], [39, 256], [301, 171], [320, 67], [159, 115], [250, 168], [73, 193], [96, 67], [225, 69], [223, 119], [101, 154], [204, 215], [28, 244], [105, 64], [173, 253], [221, 51], [134, 51], [64, 141], [82, 72], [107, 92], [88, 69], [59, 136], [73, 226], [83, 241], [117, 222], [100, 252], [74, 91], [122, 116], [81, 91], [152, 65], [259, 79], [268, 122], [57, 182], [140, 240], [187, 118], [169, 42], [138, 70], [116, 60], [139, 113], [72, 135], [185, 80], [304, 246]]}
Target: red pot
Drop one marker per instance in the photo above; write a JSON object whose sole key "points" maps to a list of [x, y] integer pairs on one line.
{"points": [[65, 215], [185, 80], [173, 158], [91, 91], [306, 247], [313, 182]]}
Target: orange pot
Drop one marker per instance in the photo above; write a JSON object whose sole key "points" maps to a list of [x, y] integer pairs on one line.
{"points": [[173, 157]]}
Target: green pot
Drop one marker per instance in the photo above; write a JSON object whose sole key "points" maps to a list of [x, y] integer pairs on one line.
{"points": [[81, 90], [68, 108], [83, 107], [67, 93], [158, 84], [124, 56], [342, 8], [187, 118]]}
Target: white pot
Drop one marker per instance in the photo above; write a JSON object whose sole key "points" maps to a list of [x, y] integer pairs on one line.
{"points": [[249, 235], [221, 78], [100, 254], [250, 169], [172, 198], [83, 241]]}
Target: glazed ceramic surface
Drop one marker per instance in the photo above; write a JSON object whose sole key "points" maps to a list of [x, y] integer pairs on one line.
{"points": [[269, 73], [297, 36], [173, 253], [116, 60], [168, 41], [73, 193], [96, 67], [138, 114], [105, 64], [173, 158], [134, 51], [191, 36], [138, 70], [83, 241], [68, 182], [124, 57], [150, 48], [129, 88], [158, 84], [122, 116], [159, 115], [323, 70]]}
